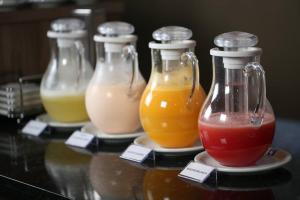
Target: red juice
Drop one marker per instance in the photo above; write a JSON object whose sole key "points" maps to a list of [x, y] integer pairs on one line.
{"points": [[233, 141]]}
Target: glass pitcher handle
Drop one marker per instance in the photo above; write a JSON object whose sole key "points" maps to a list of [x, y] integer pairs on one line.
{"points": [[190, 56], [129, 52], [259, 109]]}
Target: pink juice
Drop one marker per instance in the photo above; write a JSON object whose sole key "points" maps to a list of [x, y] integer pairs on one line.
{"points": [[233, 141], [112, 110]]}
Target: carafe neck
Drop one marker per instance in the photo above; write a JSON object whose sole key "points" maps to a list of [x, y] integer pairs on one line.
{"points": [[170, 65], [110, 59], [237, 91], [236, 94], [66, 54], [113, 58]]}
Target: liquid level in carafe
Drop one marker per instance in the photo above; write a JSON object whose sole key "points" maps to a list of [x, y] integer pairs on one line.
{"points": [[236, 142], [114, 108], [63, 107], [168, 118]]}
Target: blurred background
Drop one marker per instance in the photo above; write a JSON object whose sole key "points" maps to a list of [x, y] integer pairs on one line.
{"points": [[24, 47]]}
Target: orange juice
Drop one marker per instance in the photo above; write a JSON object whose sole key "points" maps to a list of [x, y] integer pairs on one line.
{"points": [[167, 115]]}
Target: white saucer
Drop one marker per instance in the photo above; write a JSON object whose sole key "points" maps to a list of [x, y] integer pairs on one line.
{"points": [[47, 119], [147, 142], [90, 128], [280, 158]]}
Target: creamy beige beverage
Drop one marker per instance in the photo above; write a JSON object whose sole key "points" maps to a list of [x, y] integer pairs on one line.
{"points": [[114, 108]]}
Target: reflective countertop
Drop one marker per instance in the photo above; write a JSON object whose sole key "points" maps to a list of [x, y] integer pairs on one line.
{"points": [[46, 164]]}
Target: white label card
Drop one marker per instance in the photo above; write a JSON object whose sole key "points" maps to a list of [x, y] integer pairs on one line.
{"points": [[196, 171], [136, 153], [80, 139], [34, 127]]}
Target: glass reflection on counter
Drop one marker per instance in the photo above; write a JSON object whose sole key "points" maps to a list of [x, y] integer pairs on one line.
{"points": [[266, 194], [114, 178], [69, 171], [162, 184], [20, 154], [246, 187], [105, 176]]}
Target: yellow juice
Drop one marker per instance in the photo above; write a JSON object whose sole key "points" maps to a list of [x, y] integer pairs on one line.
{"points": [[168, 117], [64, 107]]}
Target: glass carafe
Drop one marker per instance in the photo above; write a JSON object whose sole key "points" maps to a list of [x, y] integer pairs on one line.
{"points": [[237, 122], [173, 96], [68, 74], [113, 95]]}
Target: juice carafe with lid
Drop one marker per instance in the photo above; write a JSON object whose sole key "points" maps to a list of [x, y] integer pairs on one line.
{"points": [[68, 74], [113, 95], [236, 122], [173, 96]]}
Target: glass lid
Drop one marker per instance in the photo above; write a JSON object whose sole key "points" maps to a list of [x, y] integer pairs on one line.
{"points": [[169, 34], [235, 40], [115, 28], [67, 25]]}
